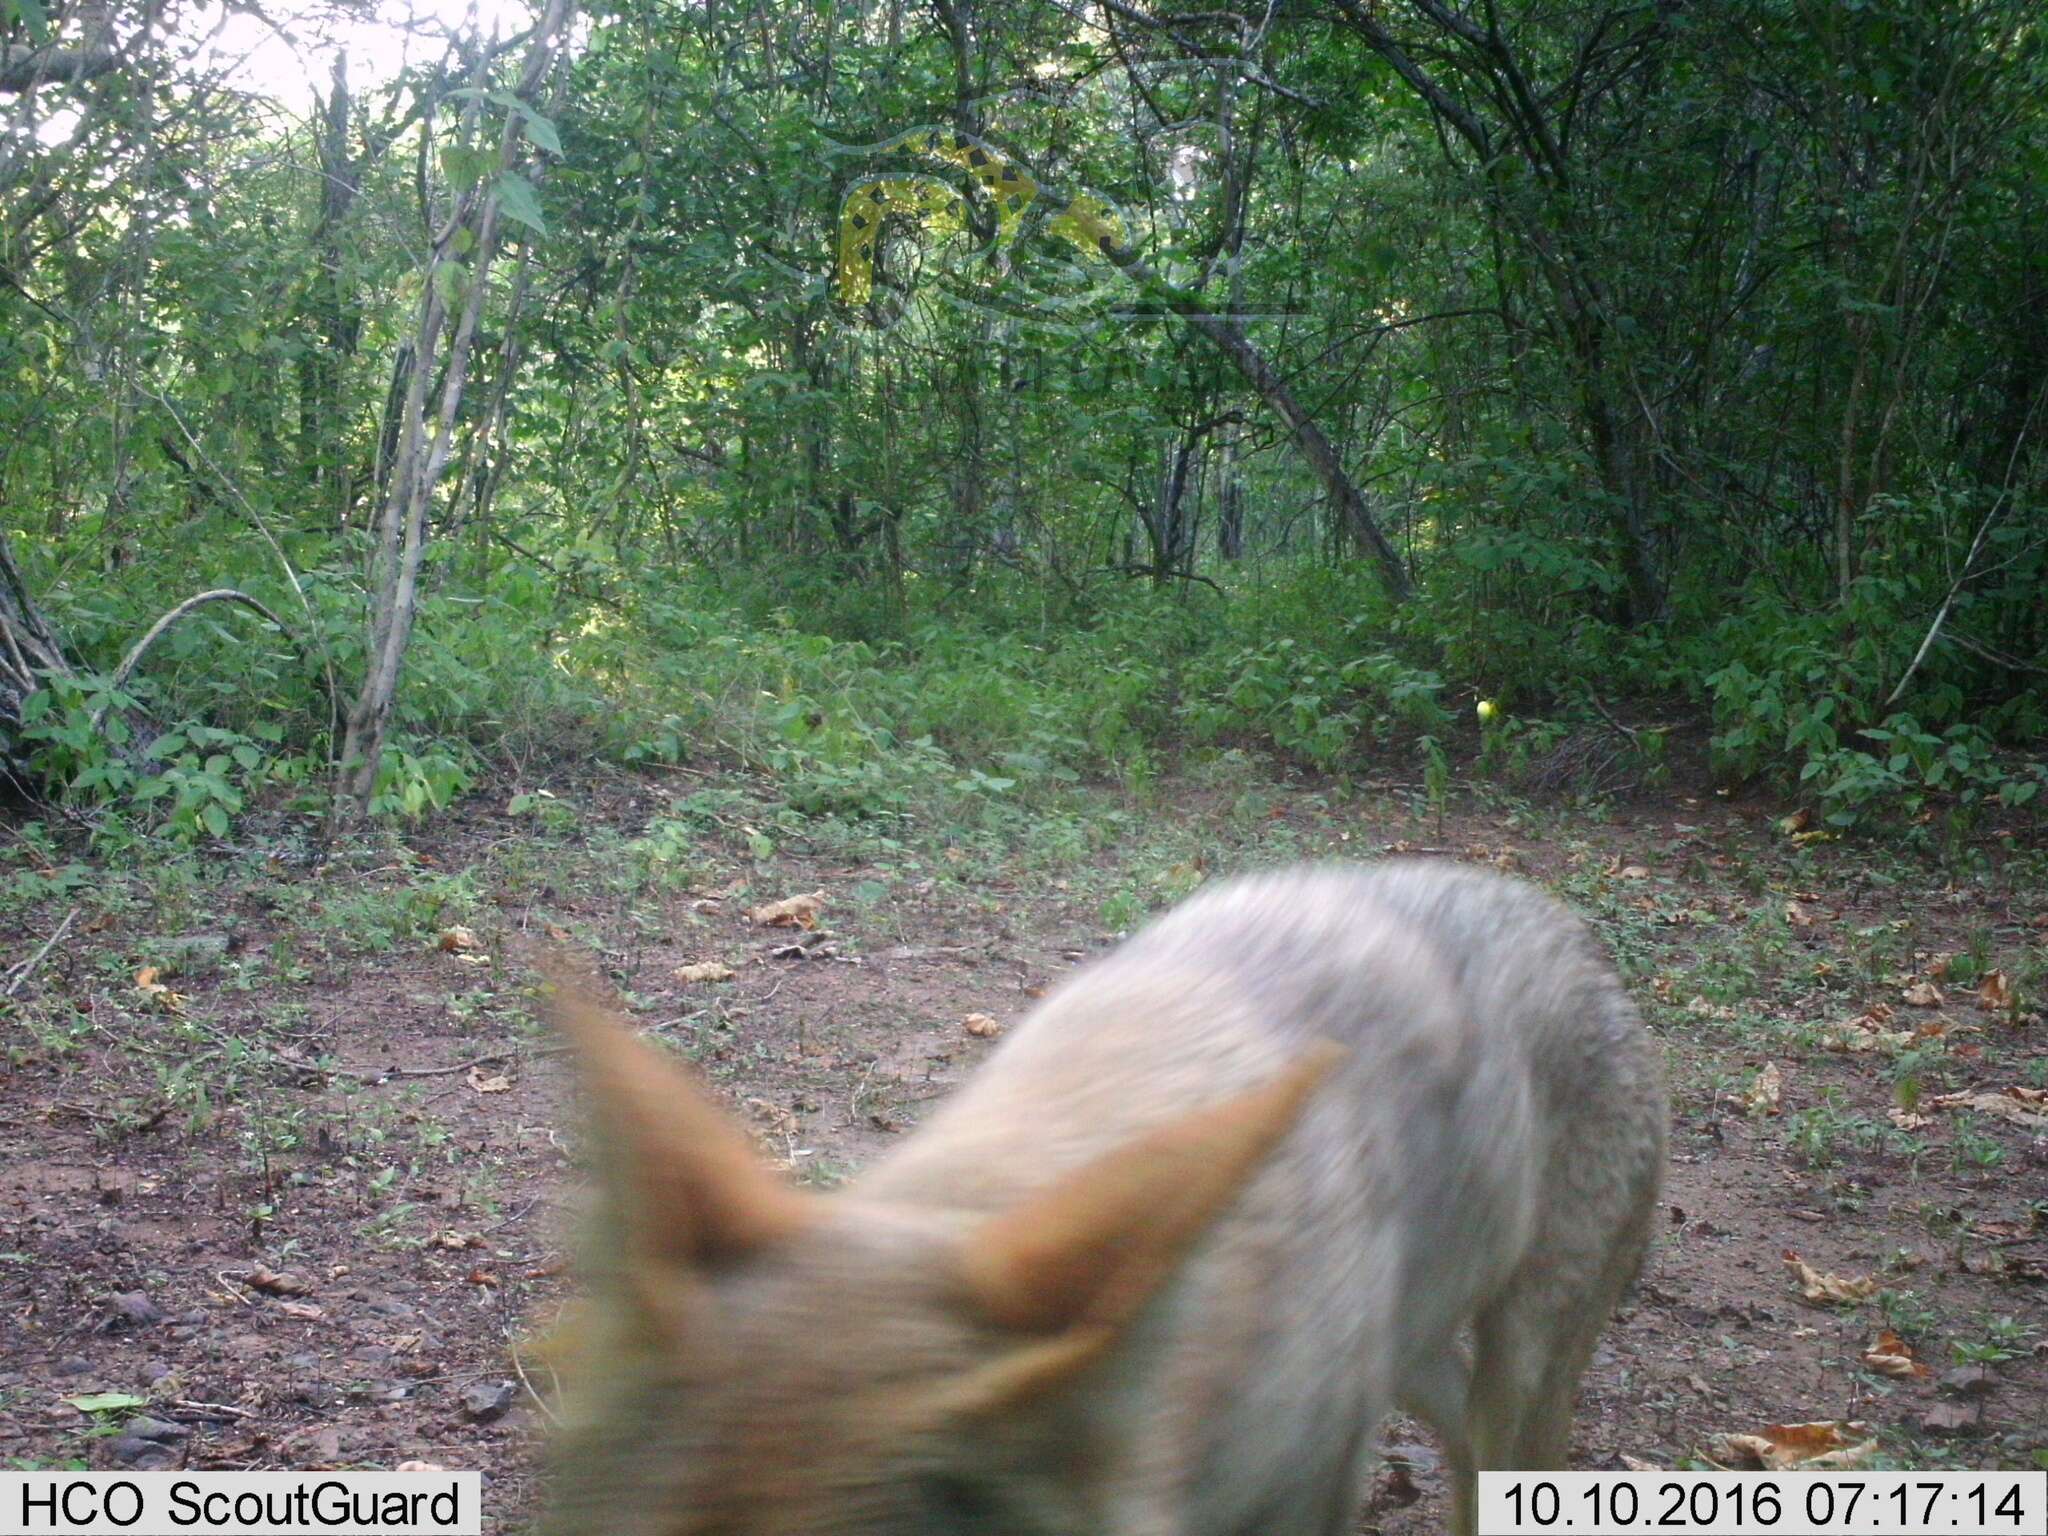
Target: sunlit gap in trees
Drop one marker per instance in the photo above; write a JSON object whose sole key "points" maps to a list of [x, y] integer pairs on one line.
{"points": [[287, 53]]}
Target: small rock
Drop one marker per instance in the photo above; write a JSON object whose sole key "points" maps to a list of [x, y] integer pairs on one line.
{"points": [[1948, 1419], [131, 1309], [143, 1455], [163, 1431], [1420, 1458], [1968, 1381], [487, 1401]]}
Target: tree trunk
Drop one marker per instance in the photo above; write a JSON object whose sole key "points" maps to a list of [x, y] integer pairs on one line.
{"points": [[424, 447]]}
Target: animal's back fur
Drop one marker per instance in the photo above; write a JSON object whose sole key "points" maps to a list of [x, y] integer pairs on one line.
{"points": [[1494, 1062]]}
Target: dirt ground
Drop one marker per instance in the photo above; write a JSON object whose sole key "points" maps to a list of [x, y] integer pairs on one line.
{"points": [[286, 1165]]}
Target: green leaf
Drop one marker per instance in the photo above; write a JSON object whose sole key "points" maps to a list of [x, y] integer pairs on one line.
{"points": [[107, 1402], [35, 18], [542, 131], [518, 199], [215, 818]]}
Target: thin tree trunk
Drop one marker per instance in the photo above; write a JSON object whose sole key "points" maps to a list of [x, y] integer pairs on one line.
{"points": [[424, 447]]}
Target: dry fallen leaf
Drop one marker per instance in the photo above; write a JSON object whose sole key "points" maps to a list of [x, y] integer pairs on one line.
{"points": [[1766, 1091], [1995, 995], [458, 940], [1890, 1355], [1825, 1443], [2021, 1105], [1923, 994], [1637, 1464], [790, 912], [1906, 1120], [305, 1311], [275, 1282], [155, 992], [1824, 1289], [457, 1240], [705, 970], [1800, 915], [1867, 1032], [488, 1084], [981, 1026]]}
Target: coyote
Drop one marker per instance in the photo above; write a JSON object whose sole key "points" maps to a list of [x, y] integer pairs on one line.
{"points": [[1222, 1200]]}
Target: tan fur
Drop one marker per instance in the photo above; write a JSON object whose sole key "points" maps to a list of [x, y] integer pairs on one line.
{"points": [[1220, 1202]]}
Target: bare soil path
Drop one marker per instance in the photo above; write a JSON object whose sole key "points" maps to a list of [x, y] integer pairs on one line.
{"points": [[286, 1168]]}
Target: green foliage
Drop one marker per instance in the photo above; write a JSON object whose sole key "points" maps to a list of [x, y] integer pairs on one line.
{"points": [[975, 544]]}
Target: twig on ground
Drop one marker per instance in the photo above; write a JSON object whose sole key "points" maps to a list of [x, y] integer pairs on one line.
{"points": [[512, 1348], [27, 968]]}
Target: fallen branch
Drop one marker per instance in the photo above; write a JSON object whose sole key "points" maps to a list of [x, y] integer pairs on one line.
{"points": [[27, 967], [378, 1075], [156, 632]]}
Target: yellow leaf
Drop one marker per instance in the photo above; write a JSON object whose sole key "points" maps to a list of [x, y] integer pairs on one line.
{"points": [[790, 912], [1815, 1446], [705, 970], [981, 1026], [1890, 1355], [1825, 1289], [1995, 995], [1766, 1091]]}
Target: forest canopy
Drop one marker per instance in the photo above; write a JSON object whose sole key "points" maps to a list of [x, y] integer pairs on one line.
{"points": [[967, 399]]}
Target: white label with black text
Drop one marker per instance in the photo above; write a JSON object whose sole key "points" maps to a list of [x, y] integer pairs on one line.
{"points": [[1763, 1503], [234, 1503]]}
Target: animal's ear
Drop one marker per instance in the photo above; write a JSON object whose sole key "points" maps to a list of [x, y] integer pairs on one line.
{"points": [[689, 1189], [1074, 1263]]}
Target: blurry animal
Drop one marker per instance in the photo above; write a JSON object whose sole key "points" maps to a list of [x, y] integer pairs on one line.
{"points": [[1217, 1204]]}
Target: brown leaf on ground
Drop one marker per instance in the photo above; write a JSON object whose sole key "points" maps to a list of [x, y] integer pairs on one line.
{"points": [[2023, 1106], [155, 993], [1995, 994], [458, 940], [1800, 915], [491, 1083], [1867, 1032], [705, 970], [1637, 1464], [1923, 994], [981, 1026], [1825, 1289], [1766, 1091], [1815, 1446], [1890, 1355], [790, 912], [305, 1311], [275, 1282]]}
